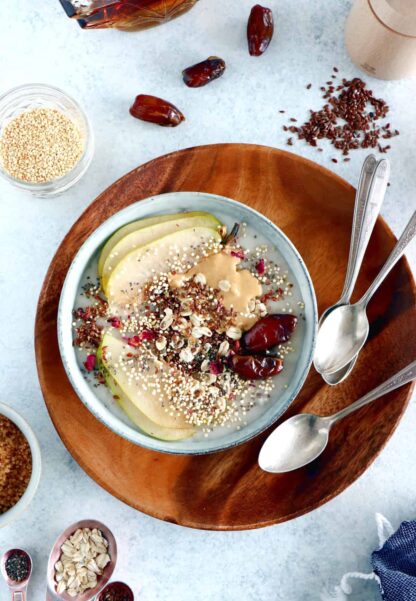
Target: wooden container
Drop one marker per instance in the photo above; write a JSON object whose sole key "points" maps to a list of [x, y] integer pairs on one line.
{"points": [[380, 36]]}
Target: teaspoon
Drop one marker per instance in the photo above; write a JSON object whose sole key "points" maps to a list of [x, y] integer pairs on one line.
{"points": [[344, 332], [371, 190], [18, 589], [302, 438]]}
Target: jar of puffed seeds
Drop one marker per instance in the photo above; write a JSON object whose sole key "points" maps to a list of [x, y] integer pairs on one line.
{"points": [[46, 142]]}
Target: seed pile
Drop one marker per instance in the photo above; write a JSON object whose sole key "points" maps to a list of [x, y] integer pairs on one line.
{"points": [[40, 145], [15, 464], [18, 566], [350, 119], [117, 591], [83, 559]]}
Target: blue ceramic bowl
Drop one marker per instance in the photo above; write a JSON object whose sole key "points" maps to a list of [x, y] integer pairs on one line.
{"points": [[288, 384]]}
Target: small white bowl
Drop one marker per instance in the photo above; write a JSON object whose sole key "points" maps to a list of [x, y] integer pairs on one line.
{"points": [[23, 503]]}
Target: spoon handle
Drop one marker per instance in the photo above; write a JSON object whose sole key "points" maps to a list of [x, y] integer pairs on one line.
{"points": [[370, 195], [402, 377], [404, 240]]}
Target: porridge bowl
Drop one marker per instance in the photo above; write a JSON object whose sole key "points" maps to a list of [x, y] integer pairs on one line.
{"points": [[187, 323]]}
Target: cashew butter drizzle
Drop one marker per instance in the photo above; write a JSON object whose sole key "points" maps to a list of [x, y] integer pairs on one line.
{"points": [[219, 270]]}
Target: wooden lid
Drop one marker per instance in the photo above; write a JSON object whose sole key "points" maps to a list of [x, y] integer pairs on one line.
{"points": [[398, 15]]}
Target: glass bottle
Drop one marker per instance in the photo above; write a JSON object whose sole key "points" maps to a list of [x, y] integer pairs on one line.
{"points": [[129, 15]]}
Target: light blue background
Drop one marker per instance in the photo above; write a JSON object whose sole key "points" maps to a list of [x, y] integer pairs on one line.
{"points": [[104, 70]]}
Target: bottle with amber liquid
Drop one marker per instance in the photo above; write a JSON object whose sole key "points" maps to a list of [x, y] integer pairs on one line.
{"points": [[129, 15]]}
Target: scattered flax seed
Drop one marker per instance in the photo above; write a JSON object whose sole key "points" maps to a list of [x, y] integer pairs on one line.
{"points": [[351, 118], [40, 145]]}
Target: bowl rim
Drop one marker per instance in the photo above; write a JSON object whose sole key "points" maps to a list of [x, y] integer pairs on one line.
{"points": [[70, 178], [129, 432], [23, 503]]}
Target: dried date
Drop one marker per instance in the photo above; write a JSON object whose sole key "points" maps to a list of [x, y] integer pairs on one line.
{"points": [[203, 73], [268, 332], [156, 110], [255, 367], [260, 29]]}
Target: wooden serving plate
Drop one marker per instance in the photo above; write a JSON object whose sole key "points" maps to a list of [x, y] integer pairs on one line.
{"points": [[227, 490]]}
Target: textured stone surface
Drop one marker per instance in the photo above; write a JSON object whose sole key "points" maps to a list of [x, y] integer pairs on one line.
{"points": [[104, 70]]}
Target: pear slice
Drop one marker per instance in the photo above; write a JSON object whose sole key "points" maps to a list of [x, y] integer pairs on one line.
{"points": [[150, 233], [125, 285], [140, 420], [141, 406], [138, 225]]}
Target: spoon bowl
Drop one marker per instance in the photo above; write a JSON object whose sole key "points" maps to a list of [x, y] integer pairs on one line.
{"points": [[56, 552], [340, 338], [342, 374], [119, 588], [299, 440], [15, 585]]}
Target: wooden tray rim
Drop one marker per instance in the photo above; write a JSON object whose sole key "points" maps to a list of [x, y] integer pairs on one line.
{"points": [[42, 380]]}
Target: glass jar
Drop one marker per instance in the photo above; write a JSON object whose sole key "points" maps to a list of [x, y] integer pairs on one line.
{"points": [[35, 96], [129, 15]]}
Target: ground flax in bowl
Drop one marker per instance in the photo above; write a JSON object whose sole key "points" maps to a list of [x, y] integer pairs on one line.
{"points": [[15, 464]]}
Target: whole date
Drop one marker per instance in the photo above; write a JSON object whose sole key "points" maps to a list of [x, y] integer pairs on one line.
{"points": [[260, 29], [255, 367], [203, 73], [268, 332], [156, 110]]}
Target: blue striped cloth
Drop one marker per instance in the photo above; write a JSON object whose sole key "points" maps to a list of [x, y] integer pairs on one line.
{"points": [[395, 564]]}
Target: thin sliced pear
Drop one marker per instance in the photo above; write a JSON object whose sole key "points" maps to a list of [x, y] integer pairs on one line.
{"points": [[126, 282], [140, 420], [143, 236], [137, 225], [134, 392]]}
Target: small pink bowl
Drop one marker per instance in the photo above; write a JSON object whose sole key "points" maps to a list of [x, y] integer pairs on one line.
{"points": [[56, 553]]}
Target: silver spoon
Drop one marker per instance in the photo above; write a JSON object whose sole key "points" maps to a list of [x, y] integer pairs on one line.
{"points": [[344, 332], [18, 590], [51, 594], [302, 438], [371, 190]]}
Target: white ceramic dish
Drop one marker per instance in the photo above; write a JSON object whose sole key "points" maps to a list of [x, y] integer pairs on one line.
{"points": [[27, 497], [101, 403]]}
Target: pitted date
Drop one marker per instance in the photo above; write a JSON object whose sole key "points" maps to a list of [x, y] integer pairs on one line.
{"points": [[203, 73], [255, 367], [260, 29], [156, 110], [269, 331]]}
